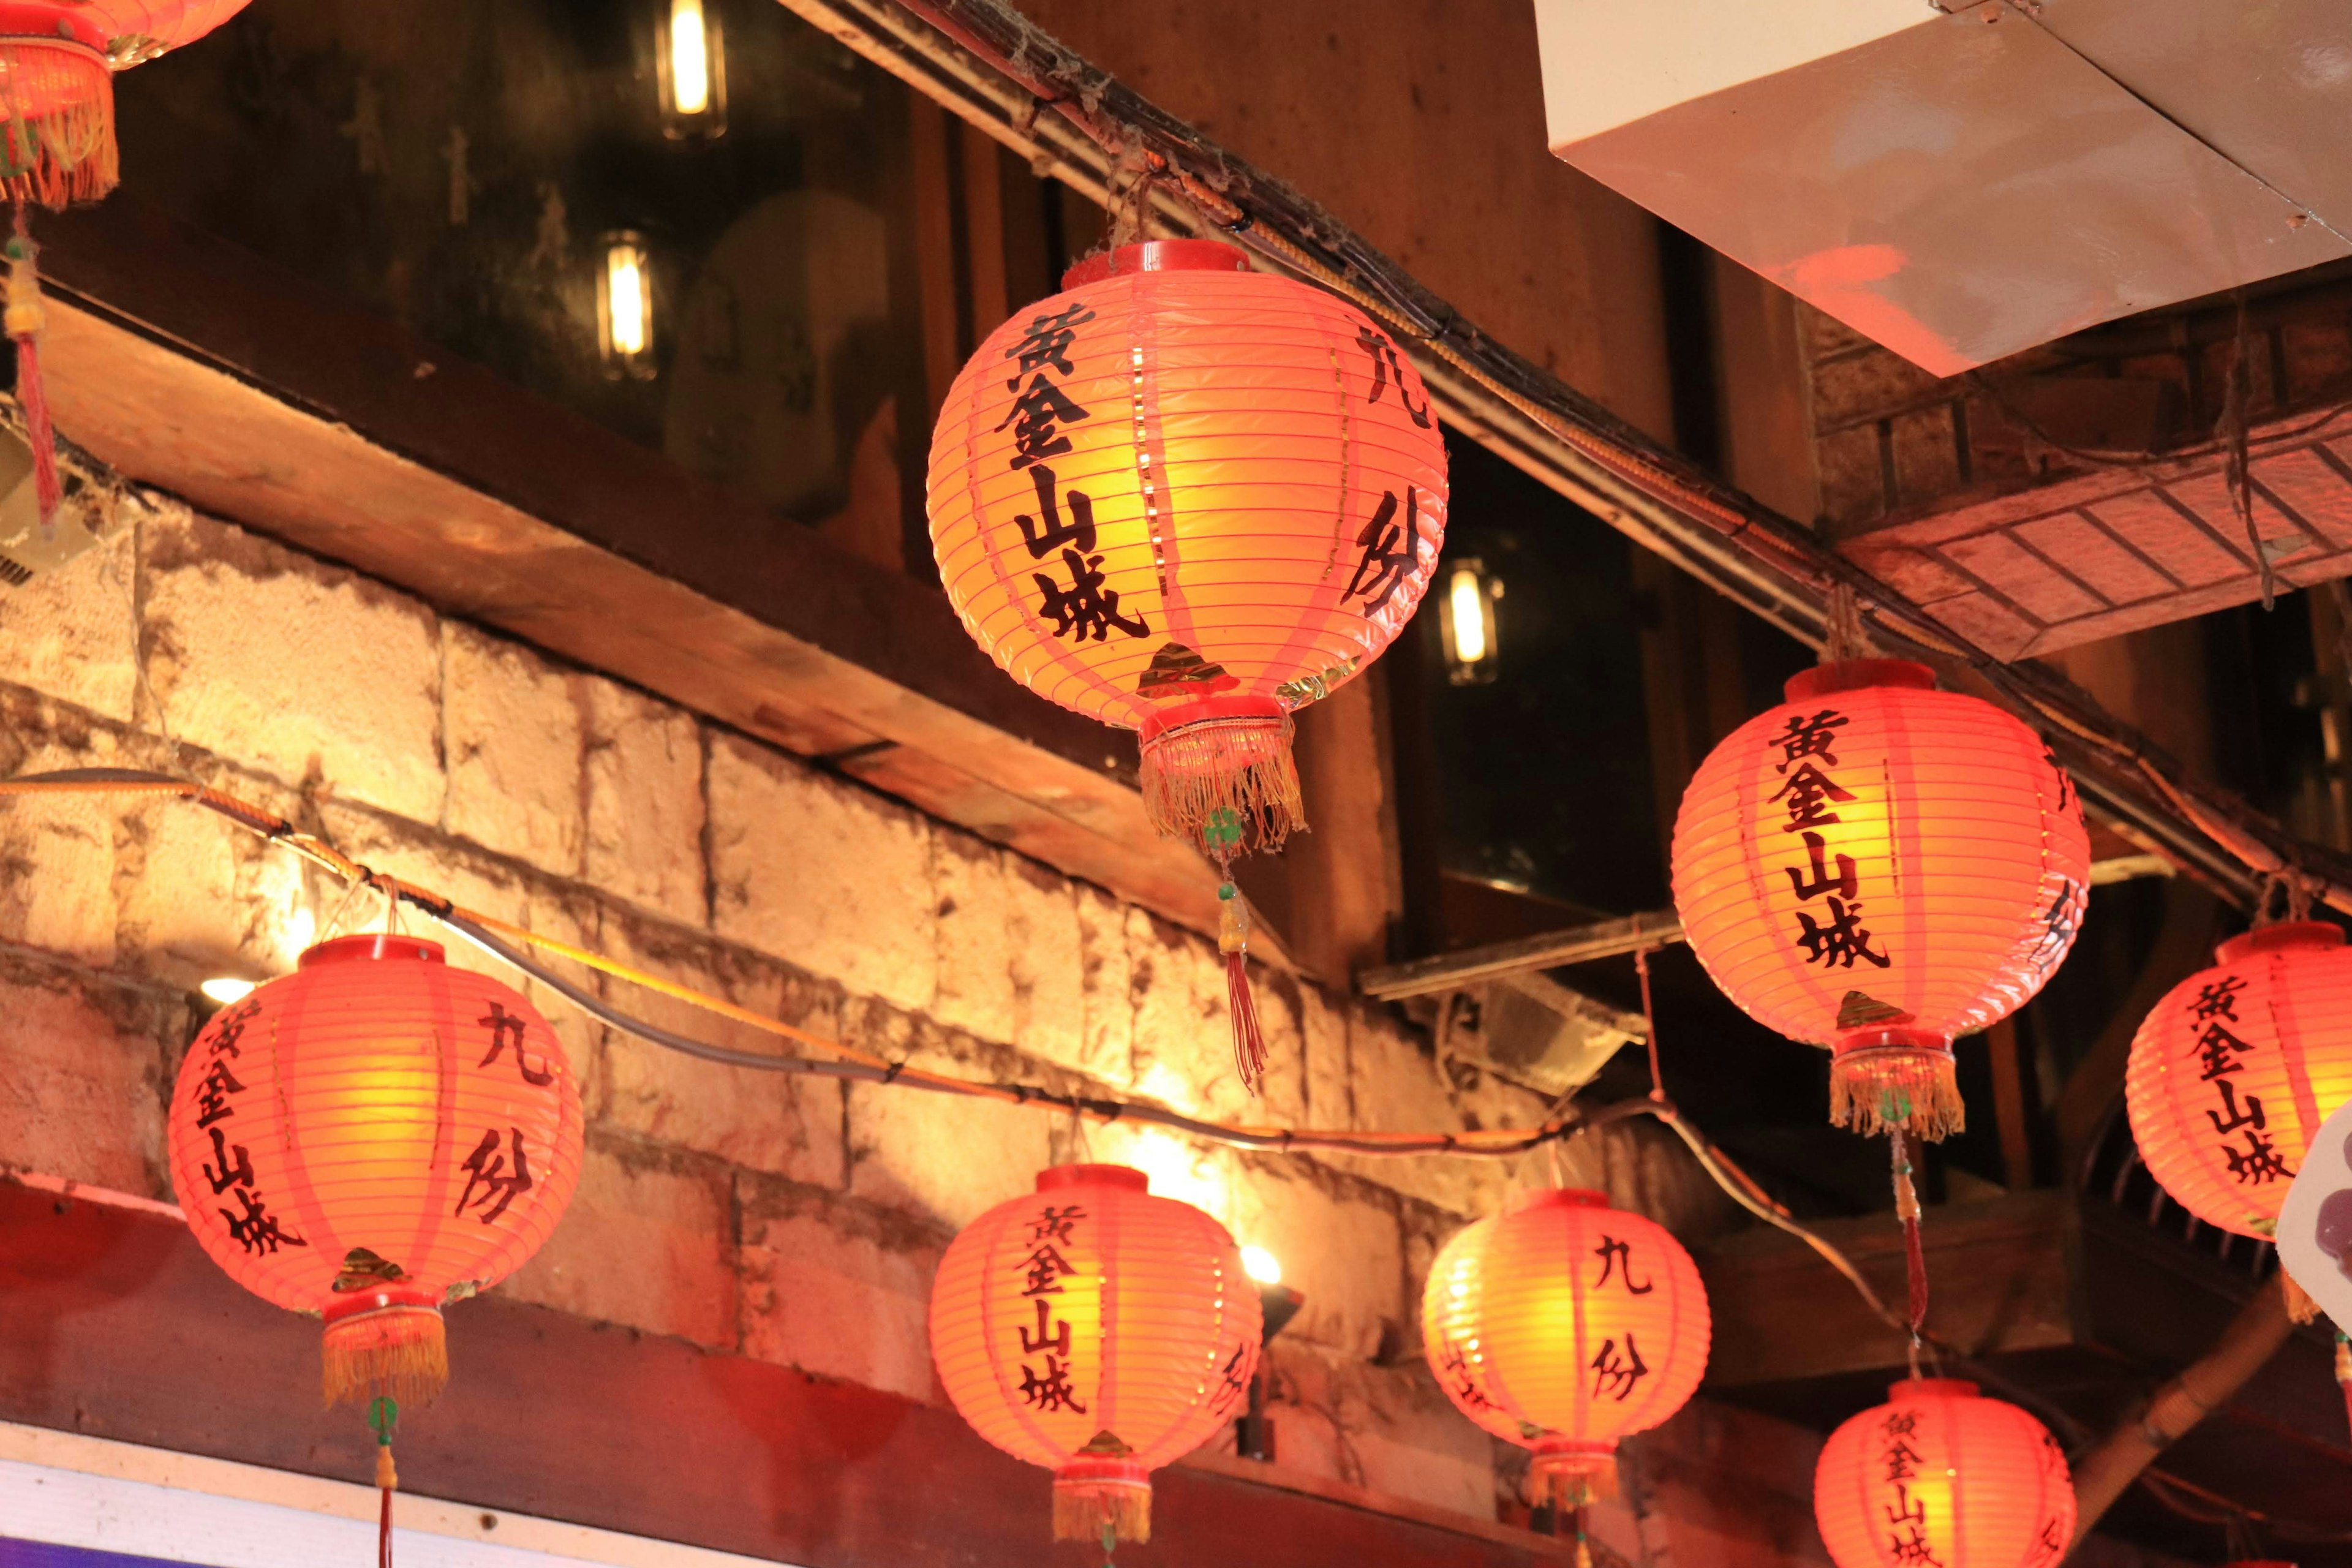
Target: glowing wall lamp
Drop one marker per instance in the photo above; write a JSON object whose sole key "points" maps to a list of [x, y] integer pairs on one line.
{"points": [[1278, 1303], [1465, 615], [625, 306], [693, 72]]}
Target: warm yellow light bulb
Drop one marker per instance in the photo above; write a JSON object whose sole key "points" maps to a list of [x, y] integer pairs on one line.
{"points": [[631, 311], [226, 989], [1261, 1266], [1469, 604], [689, 58]]}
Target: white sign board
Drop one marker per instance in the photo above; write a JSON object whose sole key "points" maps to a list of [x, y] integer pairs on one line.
{"points": [[2314, 1228], [71, 1501]]}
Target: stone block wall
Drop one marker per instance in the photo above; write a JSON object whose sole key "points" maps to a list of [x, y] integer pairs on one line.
{"points": [[790, 1219]]}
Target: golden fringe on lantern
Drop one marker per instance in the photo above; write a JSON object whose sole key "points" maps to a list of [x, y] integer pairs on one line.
{"points": [[1099, 1498], [400, 1352], [1902, 1087], [1572, 1481], [57, 145], [1232, 774]]}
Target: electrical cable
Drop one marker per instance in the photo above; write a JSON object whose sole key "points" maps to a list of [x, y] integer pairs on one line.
{"points": [[492, 936]]}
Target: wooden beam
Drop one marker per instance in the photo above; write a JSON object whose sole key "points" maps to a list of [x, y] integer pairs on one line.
{"points": [[1999, 1274], [2253, 1336], [1452, 971], [182, 362], [2009, 1106], [119, 1326]]}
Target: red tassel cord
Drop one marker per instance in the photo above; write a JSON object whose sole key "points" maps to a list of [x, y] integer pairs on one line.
{"points": [[383, 1415], [1222, 833], [1232, 941], [25, 319], [1914, 1257]]}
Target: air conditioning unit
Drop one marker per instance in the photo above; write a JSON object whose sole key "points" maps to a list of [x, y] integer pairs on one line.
{"points": [[1962, 182]]}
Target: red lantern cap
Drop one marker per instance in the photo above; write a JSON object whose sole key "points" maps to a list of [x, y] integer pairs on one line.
{"points": [[2286, 936], [363, 948], [1157, 255], [1059, 1176], [1857, 675]]}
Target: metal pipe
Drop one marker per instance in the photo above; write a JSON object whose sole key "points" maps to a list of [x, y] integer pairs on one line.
{"points": [[1078, 123]]}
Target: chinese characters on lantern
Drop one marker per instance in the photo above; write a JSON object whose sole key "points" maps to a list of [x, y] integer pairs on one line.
{"points": [[497, 1170], [1617, 1369], [2218, 1050], [1833, 935], [1907, 1521], [490, 1186], [1388, 562], [1385, 370], [1461, 1378], [1082, 607], [229, 1172], [1043, 1271]]}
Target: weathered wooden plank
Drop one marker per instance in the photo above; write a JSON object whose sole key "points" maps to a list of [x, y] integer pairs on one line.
{"points": [[119, 1326], [2000, 1272], [493, 505]]}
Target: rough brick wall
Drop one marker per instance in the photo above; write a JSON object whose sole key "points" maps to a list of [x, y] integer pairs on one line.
{"points": [[785, 1218]]}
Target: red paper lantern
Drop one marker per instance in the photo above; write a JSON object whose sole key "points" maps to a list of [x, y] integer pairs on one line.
{"points": [[1940, 1474], [1099, 1332], [1561, 1325], [1879, 866], [58, 59], [2232, 1074], [1188, 499], [371, 1138]]}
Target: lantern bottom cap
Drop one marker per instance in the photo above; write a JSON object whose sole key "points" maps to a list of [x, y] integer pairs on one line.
{"points": [[1092, 1496], [1568, 1472], [394, 1349], [1889, 1081], [1219, 771]]}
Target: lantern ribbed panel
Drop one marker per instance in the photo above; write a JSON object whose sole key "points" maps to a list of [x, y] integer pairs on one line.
{"points": [[1972, 1482], [1162, 1322], [1533, 1319], [350, 1096], [1970, 866], [2232, 1074], [1240, 432]]}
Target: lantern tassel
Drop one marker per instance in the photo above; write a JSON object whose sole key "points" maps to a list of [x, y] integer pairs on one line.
{"points": [[2344, 1370], [2300, 1307], [57, 140], [1219, 771], [1885, 1084], [26, 317], [385, 1344], [1102, 1495], [1573, 1475], [1232, 941]]}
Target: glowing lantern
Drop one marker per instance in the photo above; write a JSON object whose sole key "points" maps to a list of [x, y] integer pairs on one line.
{"points": [[1186, 498], [1097, 1330], [1561, 1325], [369, 1139], [1879, 866], [2234, 1072], [1940, 1474], [58, 59]]}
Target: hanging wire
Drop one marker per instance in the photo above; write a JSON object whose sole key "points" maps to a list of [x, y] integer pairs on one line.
{"points": [[506, 942]]}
